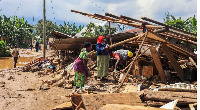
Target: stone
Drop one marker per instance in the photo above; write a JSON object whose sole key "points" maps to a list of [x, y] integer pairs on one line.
{"points": [[11, 77], [2, 84], [68, 86], [44, 87]]}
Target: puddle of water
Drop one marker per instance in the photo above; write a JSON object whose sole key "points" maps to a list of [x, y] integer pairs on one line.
{"points": [[8, 62]]}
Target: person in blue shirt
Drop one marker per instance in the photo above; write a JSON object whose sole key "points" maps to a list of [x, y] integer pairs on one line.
{"points": [[102, 58], [37, 46]]}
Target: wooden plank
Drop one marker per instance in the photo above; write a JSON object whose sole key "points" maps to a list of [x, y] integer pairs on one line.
{"points": [[136, 70], [127, 40], [147, 71], [106, 18], [157, 36], [96, 101], [152, 36], [193, 62], [176, 50], [184, 98], [127, 107], [192, 106], [184, 35], [154, 103], [128, 18], [157, 62], [178, 90], [172, 27], [66, 105], [131, 20], [173, 62], [179, 38], [76, 100]]}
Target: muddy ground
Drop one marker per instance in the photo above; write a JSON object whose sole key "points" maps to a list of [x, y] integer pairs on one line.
{"points": [[21, 90]]}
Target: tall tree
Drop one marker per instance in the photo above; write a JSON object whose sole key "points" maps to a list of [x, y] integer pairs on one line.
{"points": [[69, 29], [15, 30], [50, 26], [93, 31]]}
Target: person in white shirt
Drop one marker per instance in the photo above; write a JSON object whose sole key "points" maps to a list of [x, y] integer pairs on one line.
{"points": [[121, 55]]}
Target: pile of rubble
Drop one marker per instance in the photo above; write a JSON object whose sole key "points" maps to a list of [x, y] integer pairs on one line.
{"points": [[162, 69]]}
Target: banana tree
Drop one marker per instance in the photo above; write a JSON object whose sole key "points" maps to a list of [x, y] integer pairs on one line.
{"points": [[15, 30], [70, 29]]}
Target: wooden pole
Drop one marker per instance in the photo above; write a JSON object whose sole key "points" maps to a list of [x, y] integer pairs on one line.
{"points": [[123, 79], [156, 59], [172, 27], [190, 58], [136, 59], [110, 34], [44, 27], [173, 61], [127, 40]]}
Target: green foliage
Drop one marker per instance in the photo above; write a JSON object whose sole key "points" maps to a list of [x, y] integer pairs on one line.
{"points": [[50, 26], [15, 30], [70, 29], [189, 25], [93, 31], [4, 51]]}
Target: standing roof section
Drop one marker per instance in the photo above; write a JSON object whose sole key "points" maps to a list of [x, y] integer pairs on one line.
{"points": [[160, 33], [132, 22], [75, 44], [59, 35]]}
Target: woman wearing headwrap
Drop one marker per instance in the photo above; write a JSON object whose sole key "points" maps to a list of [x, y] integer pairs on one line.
{"points": [[80, 68], [102, 57]]}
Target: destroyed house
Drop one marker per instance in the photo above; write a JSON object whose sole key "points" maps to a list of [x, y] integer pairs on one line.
{"points": [[158, 49]]}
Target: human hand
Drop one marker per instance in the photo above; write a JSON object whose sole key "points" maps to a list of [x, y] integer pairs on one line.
{"points": [[107, 46]]}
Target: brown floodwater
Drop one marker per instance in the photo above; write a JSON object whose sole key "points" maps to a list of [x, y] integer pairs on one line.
{"points": [[8, 62]]}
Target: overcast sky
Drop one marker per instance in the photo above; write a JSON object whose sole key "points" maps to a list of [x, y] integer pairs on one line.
{"points": [[154, 9]]}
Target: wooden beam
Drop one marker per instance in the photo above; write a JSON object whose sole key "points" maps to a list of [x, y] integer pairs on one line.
{"points": [[172, 27], [179, 38], [182, 52], [90, 100], [153, 36], [128, 40], [192, 106], [184, 98], [184, 35], [131, 64], [173, 62], [161, 30], [193, 62], [128, 18], [157, 62], [106, 18], [176, 47]]}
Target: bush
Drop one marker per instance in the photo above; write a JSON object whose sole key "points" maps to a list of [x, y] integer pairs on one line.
{"points": [[4, 51]]}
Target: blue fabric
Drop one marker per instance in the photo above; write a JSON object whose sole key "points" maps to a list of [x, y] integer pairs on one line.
{"points": [[37, 47], [52, 67], [100, 51]]}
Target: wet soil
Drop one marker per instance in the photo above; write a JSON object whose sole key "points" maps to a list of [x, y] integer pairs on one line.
{"points": [[21, 91]]}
